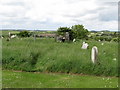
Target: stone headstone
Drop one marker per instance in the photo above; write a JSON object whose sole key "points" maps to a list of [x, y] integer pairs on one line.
{"points": [[13, 36], [67, 37], [59, 38], [85, 45], [74, 40], [9, 34], [94, 54]]}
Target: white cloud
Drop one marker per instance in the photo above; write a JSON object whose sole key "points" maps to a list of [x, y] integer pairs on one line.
{"points": [[57, 9], [101, 25], [50, 14]]}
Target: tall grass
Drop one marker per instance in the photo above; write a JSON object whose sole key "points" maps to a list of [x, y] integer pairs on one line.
{"points": [[46, 55]]}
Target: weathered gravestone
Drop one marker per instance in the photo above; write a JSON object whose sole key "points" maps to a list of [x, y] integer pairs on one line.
{"points": [[74, 40], [67, 37], [85, 45], [94, 55], [13, 36], [59, 38], [9, 34]]}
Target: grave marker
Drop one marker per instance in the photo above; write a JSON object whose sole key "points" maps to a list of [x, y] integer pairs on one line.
{"points": [[67, 37], [94, 54], [85, 45]]}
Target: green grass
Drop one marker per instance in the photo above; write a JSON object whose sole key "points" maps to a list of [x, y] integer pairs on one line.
{"points": [[5, 33], [12, 79], [46, 55]]}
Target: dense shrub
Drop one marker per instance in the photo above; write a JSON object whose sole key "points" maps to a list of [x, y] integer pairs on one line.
{"points": [[79, 31], [99, 38], [116, 39], [24, 34], [108, 38], [103, 38], [76, 31]]}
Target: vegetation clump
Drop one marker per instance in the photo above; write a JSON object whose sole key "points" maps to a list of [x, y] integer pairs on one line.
{"points": [[75, 32]]}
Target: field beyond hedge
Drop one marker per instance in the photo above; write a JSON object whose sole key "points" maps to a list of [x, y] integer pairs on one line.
{"points": [[46, 55]]}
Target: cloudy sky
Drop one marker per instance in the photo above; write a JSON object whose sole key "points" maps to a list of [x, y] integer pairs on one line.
{"points": [[51, 14]]}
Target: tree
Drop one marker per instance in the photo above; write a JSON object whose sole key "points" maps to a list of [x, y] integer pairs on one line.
{"points": [[24, 34], [76, 31], [63, 30], [79, 31]]}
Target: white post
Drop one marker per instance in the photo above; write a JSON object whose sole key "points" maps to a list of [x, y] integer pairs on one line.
{"points": [[94, 54]]}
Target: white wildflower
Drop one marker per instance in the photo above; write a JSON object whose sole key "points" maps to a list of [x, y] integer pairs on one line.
{"points": [[102, 43], [114, 59]]}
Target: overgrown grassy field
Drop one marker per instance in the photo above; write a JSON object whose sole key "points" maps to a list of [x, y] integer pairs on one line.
{"points": [[46, 55], [5, 33], [12, 79]]}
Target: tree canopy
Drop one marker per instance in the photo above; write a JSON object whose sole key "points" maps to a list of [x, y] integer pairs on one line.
{"points": [[79, 31], [24, 34], [76, 31]]}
